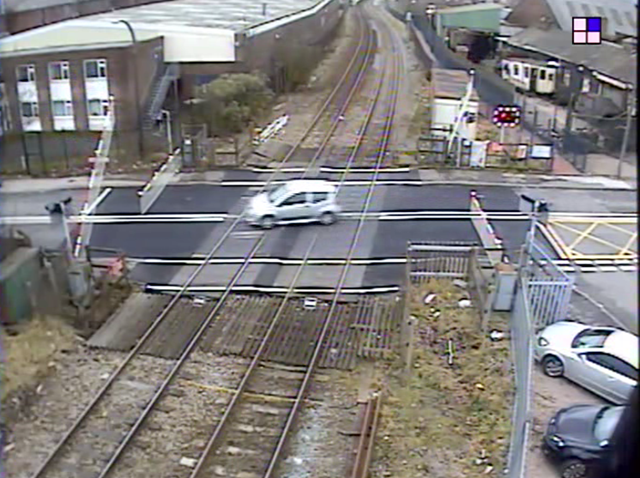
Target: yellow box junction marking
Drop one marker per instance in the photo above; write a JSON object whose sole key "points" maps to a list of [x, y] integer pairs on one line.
{"points": [[570, 251]]}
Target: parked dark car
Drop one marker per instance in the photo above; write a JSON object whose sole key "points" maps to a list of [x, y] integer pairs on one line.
{"points": [[579, 439]]}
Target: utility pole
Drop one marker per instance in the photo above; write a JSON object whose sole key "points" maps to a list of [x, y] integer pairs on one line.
{"points": [[625, 139]]}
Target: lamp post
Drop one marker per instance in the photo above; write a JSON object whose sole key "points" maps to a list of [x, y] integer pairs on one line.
{"points": [[136, 85], [625, 138]]}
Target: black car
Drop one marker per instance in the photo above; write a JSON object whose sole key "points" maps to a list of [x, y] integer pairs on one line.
{"points": [[578, 438]]}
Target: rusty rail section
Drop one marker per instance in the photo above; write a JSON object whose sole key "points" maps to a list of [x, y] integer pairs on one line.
{"points": [[367, 436]]}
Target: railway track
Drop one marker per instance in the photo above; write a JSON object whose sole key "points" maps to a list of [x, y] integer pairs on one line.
{"points": [[99, 436], [262, 452]]}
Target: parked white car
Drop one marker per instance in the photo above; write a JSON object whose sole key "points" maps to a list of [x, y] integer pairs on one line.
{"points": [[294, 200], [603, 360]]}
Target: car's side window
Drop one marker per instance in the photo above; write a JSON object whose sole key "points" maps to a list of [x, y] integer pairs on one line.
{"points": [[296, 199], [614, 364], [319, 197]]}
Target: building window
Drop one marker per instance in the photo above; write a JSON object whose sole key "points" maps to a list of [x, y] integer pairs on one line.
{"points": [[62, 108], [26, 73], [586, 85], [550, 76], [59, 70], [515, 70], [566, 78], [98, 107], [29, 109], [95, 68], [526, 72], [543, 75]]}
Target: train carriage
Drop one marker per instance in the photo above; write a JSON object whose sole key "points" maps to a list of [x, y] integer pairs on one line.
{"points": [[529, 75]]}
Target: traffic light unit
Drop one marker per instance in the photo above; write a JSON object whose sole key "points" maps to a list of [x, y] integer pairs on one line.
{"points": [[507, 115]]}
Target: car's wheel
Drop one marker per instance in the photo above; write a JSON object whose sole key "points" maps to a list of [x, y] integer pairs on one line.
{"points": [[552, 366], [574, 468], [327, 218], [266, 222]]}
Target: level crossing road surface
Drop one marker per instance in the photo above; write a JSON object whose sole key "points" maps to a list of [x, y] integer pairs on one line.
{"points": [[379, 239]]}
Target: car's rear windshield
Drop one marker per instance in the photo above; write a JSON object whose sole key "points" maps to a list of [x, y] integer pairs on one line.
{"points": [[606, 421], [591, 338]]}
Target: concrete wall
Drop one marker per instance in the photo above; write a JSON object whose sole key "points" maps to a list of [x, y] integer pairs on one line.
{"points": [[259, 52], [20, 19]]}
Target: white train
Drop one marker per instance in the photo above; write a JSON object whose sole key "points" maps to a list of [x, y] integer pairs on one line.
{"points": [[530, 75]]}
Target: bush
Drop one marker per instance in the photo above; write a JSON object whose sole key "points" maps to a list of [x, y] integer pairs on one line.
{"points": [[233, 101]]}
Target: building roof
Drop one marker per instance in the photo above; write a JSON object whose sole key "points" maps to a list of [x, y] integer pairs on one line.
{"points": [[620, 14], [607, 58], [451, 84], [479, 17], [235, 15], [193, 30]]}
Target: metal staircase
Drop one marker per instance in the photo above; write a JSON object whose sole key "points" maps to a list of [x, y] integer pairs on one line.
{"points": [[158, 94]]}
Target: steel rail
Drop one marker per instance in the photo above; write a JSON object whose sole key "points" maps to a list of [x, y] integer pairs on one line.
{"points": [[329, 318], [343, 109], [291, 289], [325, 105], [181, 360], [142, 341], [254, 362]]}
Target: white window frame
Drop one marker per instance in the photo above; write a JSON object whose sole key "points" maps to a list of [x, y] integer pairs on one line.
{"points": [[586, 85], [31, 73], [101, 65], [566, 78], [64, 70], [34, 108], [68, 109], [104, 106]]}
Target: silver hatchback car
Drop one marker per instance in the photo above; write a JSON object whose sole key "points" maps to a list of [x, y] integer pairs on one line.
{"points": [[301, 199], [603, 360]]}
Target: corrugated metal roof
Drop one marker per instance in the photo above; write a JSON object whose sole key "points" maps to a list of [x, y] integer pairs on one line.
{"points": [[609, 59], [620, 14]]}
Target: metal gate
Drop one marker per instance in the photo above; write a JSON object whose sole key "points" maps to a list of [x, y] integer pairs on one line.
{"points": [[548, 289]]}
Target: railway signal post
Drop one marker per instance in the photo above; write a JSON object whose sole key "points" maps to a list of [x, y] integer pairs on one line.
{"points": [[506, 116]]}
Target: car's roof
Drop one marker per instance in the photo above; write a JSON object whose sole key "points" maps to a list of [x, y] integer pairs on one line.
{"points": [[623, 345], [310, 185]]}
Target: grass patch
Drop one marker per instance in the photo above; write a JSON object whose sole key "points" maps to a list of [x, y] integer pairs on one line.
{"points": [[28, 351], [438, 421]]}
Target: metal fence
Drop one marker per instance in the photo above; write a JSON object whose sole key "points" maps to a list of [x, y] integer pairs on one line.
{"points": [[522, 356], [549, 288], [426, 261]]}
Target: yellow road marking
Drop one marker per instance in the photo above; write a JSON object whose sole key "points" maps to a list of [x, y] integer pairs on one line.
{"points": [[556, 242], [621, 229], [615, 247], [583, 234], [628, 244]]}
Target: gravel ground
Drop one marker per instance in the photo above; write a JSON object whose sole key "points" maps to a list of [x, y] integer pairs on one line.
{"points": [[320, 446], [303, 105], [184, 418], [550, 395], [75, 377]]}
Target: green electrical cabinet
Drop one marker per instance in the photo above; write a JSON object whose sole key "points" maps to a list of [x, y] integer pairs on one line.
{"points": [[20, 277]]}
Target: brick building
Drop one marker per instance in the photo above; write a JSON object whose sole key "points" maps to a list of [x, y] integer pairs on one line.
{"points": [[60, 77]]}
